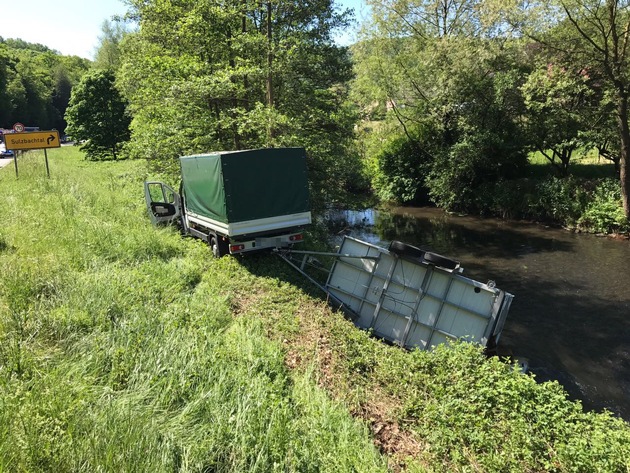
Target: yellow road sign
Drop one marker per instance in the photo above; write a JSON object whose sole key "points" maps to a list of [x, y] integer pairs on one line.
{"points": [[32, 140]]}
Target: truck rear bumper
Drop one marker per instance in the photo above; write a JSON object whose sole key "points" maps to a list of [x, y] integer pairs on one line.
{"points": [[261, 243], [252, 227]]}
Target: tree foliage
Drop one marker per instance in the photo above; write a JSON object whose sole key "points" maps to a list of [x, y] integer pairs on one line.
{"points": [[401, 169], [108, 54], [201, 76], [484, 83], [442, 76], [97, 115], [592, 36], [35, 84], [556, 101]]}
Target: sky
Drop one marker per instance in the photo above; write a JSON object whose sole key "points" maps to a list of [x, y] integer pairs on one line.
{"points": [[72, 27]]}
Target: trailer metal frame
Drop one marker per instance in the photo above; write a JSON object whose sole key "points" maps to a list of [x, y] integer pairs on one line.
{"points": [[406, 300]]}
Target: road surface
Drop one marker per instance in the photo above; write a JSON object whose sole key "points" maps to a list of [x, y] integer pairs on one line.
{"points": [[5, 162]]}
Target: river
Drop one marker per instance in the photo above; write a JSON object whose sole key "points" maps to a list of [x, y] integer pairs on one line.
{"points": [[571, 312]]}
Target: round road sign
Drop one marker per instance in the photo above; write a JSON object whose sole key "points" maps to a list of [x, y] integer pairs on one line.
{"points": [[18, 128]]}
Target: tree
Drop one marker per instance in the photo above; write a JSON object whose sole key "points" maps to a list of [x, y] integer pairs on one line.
{"points": [[443, 77], [557, 102], [108, 52], [6, 69], [35, 81], [98, 114], [66, 74], [590, 35], [244, 74], [602, 133], [35, 84], [401, 169]]}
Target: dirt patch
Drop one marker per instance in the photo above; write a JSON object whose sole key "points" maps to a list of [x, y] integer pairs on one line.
{"points": [[313, 345], [376, 409], [388, 434]]}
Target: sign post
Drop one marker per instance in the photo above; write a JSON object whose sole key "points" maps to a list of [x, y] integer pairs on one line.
{"points": [[47, 168], [31, 140]]}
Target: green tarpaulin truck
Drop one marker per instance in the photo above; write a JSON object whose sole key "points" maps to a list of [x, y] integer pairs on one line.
{"points": [[237, 201]]}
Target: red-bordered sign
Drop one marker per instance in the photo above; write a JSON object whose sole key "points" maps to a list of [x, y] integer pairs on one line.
{"points": [[18, 127]]}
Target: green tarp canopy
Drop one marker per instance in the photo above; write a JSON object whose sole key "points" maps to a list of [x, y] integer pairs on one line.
{"points": [[238, 186]]}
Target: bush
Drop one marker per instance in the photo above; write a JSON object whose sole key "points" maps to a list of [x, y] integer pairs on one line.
{"points": [[473, 410], [401, 169], [480, 414], [604, 212], [476, 160], [505, 199], [558, 200], [589, 205]]}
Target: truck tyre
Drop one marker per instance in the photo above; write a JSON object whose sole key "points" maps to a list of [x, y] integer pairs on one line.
{"points": [[403, 249], [215, 247], [439, 260], [219, 246]]}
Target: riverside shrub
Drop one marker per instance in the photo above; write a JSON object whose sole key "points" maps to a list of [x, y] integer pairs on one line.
{"points": [[473, 410], [604, 211], [590, 205]]}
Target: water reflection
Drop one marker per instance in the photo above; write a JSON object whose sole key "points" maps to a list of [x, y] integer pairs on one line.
{"points": [[571, 313]]}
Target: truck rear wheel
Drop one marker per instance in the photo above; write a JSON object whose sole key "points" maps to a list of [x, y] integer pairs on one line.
{"points": [[217, 246]]}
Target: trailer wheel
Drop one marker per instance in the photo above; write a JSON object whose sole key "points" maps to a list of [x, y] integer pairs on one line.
{"points": [[403, 249], [439, 260]]}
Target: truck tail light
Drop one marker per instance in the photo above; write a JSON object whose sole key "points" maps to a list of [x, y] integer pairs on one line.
{"points": [[235, 248], [297, 237]]}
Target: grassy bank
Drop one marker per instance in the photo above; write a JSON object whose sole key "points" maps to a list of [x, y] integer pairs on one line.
{"points": [[126, 348]]}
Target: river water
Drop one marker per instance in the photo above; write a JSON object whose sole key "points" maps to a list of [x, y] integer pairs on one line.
{"points": [[571, 313]]}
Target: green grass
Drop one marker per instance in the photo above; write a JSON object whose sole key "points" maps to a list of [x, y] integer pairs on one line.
{"points": [[129, 348], [585, 164], [119, 350]]}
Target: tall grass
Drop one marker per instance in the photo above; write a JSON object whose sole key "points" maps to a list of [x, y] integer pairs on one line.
{"points": [[130, 349], [119, 350]]}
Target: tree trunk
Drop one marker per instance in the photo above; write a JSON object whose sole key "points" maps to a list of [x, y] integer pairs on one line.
{"points": [[271, 132], [624, 134], [235, 135], [269, 58], [244, 31]]}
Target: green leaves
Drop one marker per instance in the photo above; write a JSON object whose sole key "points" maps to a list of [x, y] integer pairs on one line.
{"points": [[202, 77], [449, 91], [604, 214], [97, 115], [35, 83]]}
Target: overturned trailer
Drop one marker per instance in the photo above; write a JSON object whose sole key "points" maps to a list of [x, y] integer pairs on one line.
{"points": [[410, 297]]}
